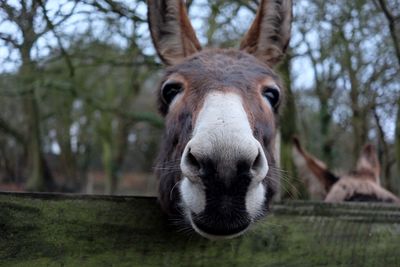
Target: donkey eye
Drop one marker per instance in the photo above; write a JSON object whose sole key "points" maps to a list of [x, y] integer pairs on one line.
{"points": [[272, 94], [170, 90]]}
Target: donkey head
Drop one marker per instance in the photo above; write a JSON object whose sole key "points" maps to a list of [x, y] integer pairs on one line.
{"points": [[361, 184], [220, 105]]}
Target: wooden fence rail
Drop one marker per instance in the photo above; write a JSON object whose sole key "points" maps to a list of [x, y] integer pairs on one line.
{"points": [[71, 230]]}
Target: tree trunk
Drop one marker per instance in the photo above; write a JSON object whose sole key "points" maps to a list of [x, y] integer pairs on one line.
{"points": [[111, 179], [40, 178], [397, 148], [68, 157], [384, 156], [360, 114], [325, 119], [291, 187]]}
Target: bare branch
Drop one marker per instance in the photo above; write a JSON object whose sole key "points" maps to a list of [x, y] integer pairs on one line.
{"points": [[64, 52], [52, 26], [116, 8], [392, 27], [248, 5], [8, 39], [9, 10], [8, 129]]}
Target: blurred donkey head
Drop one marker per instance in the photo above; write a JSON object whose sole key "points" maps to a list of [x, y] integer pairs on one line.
{"points": [[216, 160], [362, 184]]}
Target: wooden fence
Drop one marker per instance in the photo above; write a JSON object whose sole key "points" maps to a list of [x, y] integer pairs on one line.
{"points": [[71, 230]]}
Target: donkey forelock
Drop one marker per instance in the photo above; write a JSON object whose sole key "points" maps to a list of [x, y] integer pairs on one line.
{"points": [[216, 161]]}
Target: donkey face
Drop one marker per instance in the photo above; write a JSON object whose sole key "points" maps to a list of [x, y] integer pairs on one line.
{"points": [[220, 107]]}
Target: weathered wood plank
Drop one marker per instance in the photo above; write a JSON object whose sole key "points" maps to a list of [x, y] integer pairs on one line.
{"points": [[70, 230]]}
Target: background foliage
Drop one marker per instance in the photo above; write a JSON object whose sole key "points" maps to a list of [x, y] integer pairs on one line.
{"points": [[78, 81]]}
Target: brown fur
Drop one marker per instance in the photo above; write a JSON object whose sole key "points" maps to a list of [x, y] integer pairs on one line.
{"points": [[245, 72], [317, 167], [362, 184], [201, 74]]}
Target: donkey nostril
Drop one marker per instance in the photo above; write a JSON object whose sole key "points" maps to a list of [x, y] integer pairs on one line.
{"points": [[260, 165], [257, 162], [191, 164], [192, 161]]}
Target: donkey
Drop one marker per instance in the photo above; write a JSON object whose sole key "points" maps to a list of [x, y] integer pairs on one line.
{"points": [[362, 184], [216, 160]]}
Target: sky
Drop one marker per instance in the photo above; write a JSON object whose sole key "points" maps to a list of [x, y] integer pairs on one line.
{"points": [[78, 24]]}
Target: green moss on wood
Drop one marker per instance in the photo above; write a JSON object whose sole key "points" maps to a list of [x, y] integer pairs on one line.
{"points": [[54, 230]]}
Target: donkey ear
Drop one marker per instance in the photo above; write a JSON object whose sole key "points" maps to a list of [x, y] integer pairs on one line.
{"points": [[368, 161], [173, 35], [269, 35], [317, 167]]}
